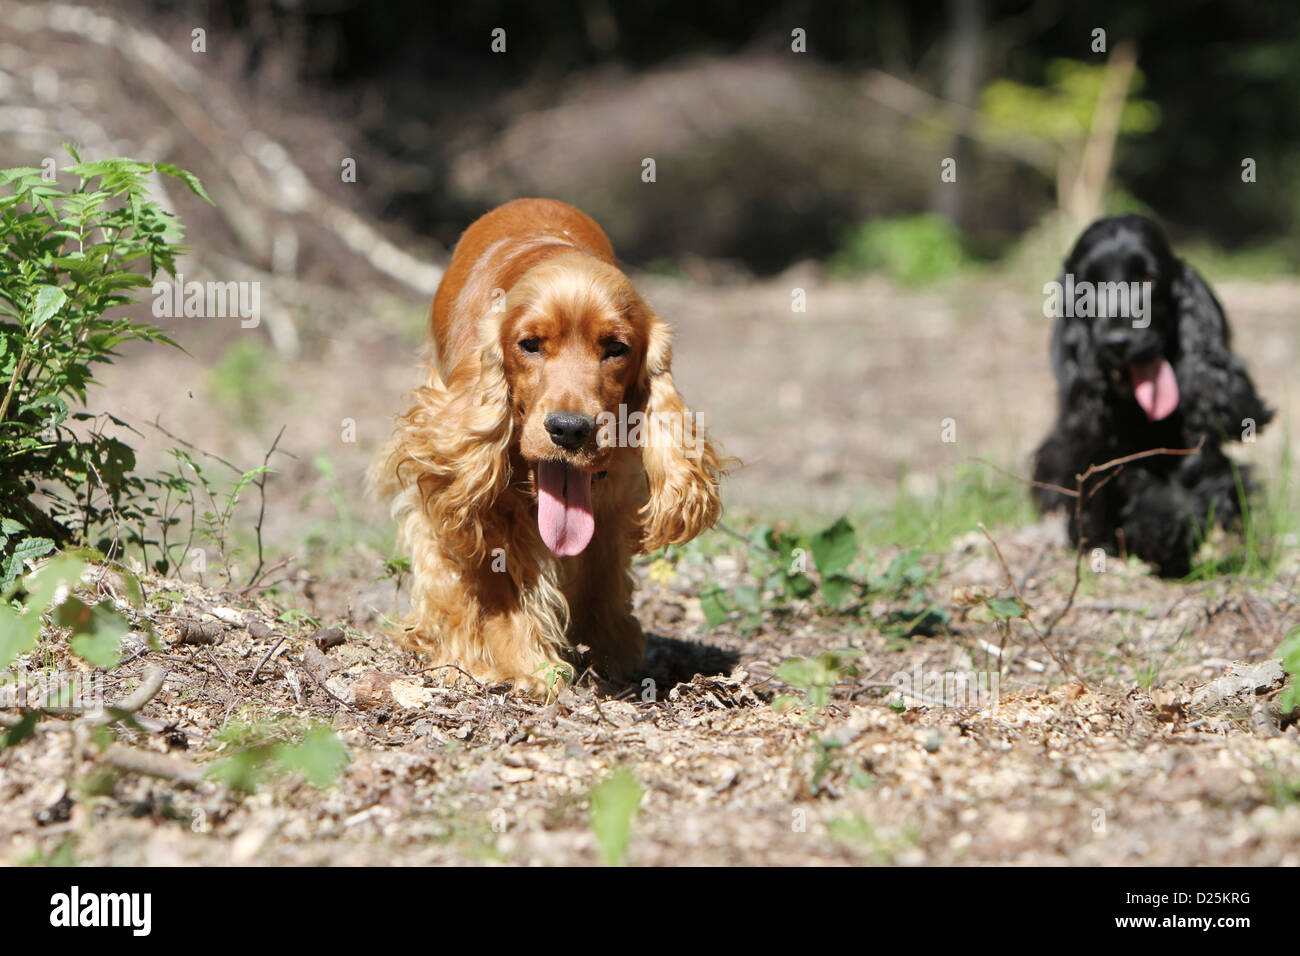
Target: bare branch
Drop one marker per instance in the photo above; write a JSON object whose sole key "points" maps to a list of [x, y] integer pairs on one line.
{"points": [[1015, 588]]}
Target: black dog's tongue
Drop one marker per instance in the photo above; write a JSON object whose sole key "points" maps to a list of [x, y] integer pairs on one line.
{"points": [[1155, 387]]}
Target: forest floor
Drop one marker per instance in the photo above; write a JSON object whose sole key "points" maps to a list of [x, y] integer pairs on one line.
{"points": [[1143, 730], [1161, 745]]}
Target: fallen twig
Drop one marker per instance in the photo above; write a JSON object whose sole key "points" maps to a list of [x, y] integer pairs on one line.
{"points": [[163, 766], [200, 632], [328, 637], [150, 684], [1079, 499], [269, 655], [157, 423], [321, 684]]}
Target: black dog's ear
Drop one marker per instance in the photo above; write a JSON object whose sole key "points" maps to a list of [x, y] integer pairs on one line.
{"points": [[1218, 396], [1080, 381]]}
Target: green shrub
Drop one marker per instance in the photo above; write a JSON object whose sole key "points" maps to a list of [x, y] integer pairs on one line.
{"points": [[245, 382], [778, 574], [56, 590], [614, 804], [259, 751], [69, 261], [1289, 701], [912, 249]]}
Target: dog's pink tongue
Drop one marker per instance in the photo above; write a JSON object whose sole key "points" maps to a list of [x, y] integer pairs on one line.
{"points": [[1155, 388], [564, 515]]}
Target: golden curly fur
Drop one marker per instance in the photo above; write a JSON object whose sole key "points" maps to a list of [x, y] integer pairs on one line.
{"points": [[551, 408]]}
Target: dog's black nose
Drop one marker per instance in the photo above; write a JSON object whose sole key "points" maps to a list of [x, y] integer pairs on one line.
{"points": [[569, 430], [1124, 346], [1118, 341]]}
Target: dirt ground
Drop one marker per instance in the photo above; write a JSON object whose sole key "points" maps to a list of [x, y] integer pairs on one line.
{"points": [[1143, 754], [1130, 757]]}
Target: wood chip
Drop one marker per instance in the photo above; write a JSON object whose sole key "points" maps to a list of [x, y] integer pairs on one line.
{"points": [[201, 632]]}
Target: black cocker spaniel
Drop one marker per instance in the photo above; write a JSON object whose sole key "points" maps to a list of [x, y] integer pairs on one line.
{"points": [[1142, 355]]}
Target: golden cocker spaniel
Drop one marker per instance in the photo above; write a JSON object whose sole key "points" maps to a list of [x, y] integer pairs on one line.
{"points": [[548, 447]]}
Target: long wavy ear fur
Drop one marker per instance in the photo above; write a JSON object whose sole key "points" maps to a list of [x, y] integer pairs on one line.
{"points": [[450, 451], [1082, 411], [682, 465], [1218, 396], [1080, 383]]}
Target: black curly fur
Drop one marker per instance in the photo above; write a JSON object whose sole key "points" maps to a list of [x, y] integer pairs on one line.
{"points": [[1162, 504]]}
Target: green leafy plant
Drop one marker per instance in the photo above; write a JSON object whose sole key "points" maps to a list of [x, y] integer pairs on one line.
{"points": [[614, 803], [826, 750], [904, 585], [214, 523], [779, 568], [265, 750], [1289, 651], [1257, 543], [395, 569], [96, 628], [70, 260], [555, 675], [834, 549], [245, 382], [816, 677], [879, 846], [913, 250], [298, 616], [1061, 112], [20, 550], [984, 606], [56, 601]]}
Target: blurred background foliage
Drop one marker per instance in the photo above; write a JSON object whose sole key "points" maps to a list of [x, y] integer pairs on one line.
{"points": [[768, 158], [775, 171]]}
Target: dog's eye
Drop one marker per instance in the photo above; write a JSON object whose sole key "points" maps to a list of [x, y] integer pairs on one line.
{"points": [[615, 349], [531, 346]]}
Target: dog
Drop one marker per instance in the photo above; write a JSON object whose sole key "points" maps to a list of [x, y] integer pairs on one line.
{"points": [[549, 445], [1160, 373]]}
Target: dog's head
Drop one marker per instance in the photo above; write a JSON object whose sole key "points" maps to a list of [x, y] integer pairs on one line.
{"points": [[1119, 309], [586, 368], [573, 343]]}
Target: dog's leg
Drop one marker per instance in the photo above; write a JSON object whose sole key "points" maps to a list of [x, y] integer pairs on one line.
{"points": [[1214, 488], [599, 588], [1161, 523], [498, 623], [524, 626]]}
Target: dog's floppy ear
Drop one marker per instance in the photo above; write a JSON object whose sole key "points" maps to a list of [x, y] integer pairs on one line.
{"points": [[682, 465], [1080, 381], [453, 445], [1219, 398]]}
